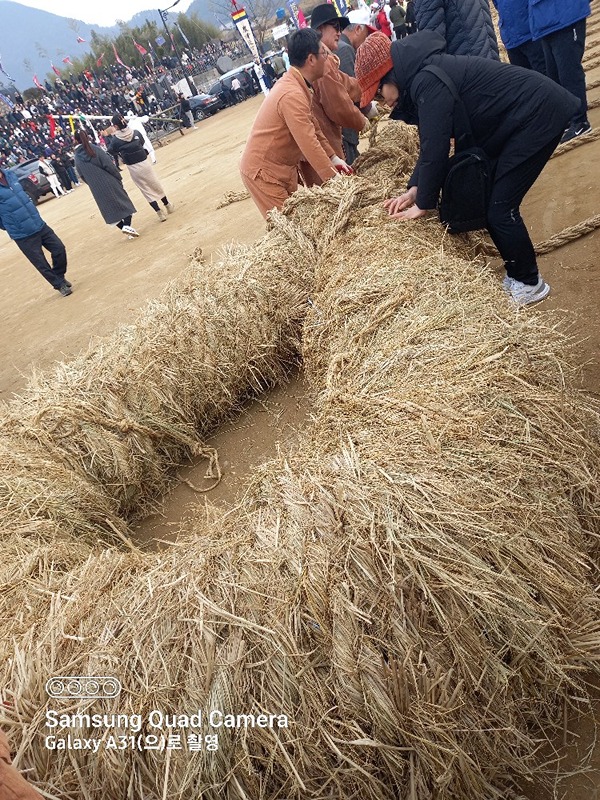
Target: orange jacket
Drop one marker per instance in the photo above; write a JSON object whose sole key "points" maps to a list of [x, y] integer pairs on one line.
{"points": [[335, 95], [13, 785], [284, 133]]}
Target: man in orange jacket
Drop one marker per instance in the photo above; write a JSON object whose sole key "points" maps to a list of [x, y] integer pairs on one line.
{"points": [[335, 93], [285, 130]]}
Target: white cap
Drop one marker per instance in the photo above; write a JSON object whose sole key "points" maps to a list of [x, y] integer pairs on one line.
{"points": [[359, 17]]}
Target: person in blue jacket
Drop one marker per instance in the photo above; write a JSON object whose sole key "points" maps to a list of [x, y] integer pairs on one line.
{"points": [[513, 22], [21, 220], [466, 25], [560, 26]]}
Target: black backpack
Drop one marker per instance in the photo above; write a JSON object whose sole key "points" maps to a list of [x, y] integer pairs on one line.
{"points": [[468, 182]]}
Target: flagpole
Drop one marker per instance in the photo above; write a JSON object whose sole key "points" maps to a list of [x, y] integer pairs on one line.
{"points": [[164, 16]]}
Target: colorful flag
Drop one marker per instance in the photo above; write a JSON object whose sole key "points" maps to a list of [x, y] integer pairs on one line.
{"points": [[117, 57], [80, 40], [160, 40], [56, 70], [141, 50], [296, 14], [4, 72], [37, 83], [52, 125], [242, 23], [67, 60], [99, 60]]}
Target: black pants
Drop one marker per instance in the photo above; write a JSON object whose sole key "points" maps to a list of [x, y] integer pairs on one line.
{"points": [[563, 51], [529, 55], [31, 247], [400, 31], [505, 223]]}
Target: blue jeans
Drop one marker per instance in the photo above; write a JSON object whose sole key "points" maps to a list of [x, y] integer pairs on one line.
{"points": [[563, 51]]}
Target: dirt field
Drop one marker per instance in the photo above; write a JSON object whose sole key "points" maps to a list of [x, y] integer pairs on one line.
{"points": [[113, 277]]}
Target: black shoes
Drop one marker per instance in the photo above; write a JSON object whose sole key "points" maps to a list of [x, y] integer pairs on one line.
{"points": [[573, 131], [65, 289]]}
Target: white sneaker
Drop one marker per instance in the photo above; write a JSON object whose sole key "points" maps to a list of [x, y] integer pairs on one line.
{"points": [[523, 295], [129, 231], [170, 208], [162, 215], [507, 284]]}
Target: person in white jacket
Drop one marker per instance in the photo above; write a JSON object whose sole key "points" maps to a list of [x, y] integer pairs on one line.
{"points": [[136, 124], [50, 173]]}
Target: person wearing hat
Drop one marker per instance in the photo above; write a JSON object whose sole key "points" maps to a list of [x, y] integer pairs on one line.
{"points": [[285, 130], [517, 117], [350, 40], [335, 93], [466, 25]]}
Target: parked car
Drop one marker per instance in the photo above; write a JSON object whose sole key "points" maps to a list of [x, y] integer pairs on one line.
{"points": [[222, 88], [31, 179], [203, 105]]}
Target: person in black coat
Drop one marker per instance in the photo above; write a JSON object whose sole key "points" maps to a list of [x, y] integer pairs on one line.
{"points": [[516, 115], [466, 25]]}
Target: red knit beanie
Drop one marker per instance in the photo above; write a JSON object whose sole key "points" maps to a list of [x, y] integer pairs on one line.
{"points": [[373, 61]]}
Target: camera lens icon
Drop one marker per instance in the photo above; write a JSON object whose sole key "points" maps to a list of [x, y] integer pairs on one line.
{"points": [[88, 687]]}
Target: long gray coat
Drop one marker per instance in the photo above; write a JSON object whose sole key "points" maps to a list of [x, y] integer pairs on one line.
{"points": [[106, 184]]}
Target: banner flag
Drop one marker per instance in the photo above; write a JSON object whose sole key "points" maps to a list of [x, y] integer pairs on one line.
{"points": [[242, 23]]}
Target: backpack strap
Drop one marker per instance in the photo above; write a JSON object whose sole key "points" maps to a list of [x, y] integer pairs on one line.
{"points": [[464, 137]]}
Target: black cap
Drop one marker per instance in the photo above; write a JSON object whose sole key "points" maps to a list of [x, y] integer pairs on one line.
{"points": [[326, 13]]}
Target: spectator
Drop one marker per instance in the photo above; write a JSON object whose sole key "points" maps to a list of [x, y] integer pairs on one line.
{"points": [[21, 220], [185, 112], [466, 25], [561, 27], [513, 22], [397, 18]]}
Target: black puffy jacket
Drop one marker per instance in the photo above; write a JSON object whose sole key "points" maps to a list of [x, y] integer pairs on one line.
{"points": [[466, 25]]}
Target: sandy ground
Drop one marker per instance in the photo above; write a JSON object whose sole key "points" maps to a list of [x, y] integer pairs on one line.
{"points": [[114, 277]]}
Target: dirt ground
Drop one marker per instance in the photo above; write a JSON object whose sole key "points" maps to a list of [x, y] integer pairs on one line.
{"points": [[113, 277]]}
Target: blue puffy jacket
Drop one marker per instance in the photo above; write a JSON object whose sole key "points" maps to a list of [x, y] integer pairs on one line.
{"points": [[547, 16], [513, 22], [466, 25], [18, 216]]}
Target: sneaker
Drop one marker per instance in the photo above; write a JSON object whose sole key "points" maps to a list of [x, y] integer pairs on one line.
{"points": [[162, 215], [507, 284], [170, 208], [573, 131], [67, 283], [129, 231], [523, 295], [65, 289]]}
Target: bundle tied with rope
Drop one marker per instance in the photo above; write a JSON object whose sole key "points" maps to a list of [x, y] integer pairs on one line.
{"points": [[408, 591]]}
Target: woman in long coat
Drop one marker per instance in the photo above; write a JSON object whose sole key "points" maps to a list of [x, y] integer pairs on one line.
{"points": [[129, 145], [98, 170]]}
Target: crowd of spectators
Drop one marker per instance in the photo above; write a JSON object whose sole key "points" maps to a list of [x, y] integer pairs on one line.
{"points": [[44, 126]]}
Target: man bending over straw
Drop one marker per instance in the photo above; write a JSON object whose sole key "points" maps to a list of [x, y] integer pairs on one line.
{"points": [[285, 130]]}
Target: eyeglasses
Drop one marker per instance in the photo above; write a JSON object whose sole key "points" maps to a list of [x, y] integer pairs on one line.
{"points": [[335, 25]]}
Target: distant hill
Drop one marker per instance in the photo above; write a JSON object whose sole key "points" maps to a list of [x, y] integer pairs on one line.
{"points": [[26, 32]]}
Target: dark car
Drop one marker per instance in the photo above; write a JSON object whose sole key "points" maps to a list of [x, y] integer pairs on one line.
{"points": [[31, 179], [203, 105], [222, 88]]}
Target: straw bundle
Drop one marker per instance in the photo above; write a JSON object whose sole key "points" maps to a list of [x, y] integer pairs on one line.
{"points": [[410, 586], [108, 428]]}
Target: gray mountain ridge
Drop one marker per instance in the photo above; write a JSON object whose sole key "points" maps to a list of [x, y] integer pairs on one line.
{"points": [[23, 28]]}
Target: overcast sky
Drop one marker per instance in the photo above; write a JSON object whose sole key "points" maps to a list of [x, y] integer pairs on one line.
{"points": [[101, 12]]}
